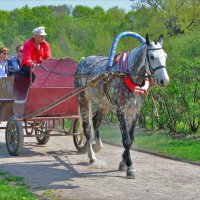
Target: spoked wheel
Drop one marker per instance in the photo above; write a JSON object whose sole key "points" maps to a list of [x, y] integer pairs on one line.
{"points": [[29, 127], [79, 139], [41, 130], [14, 136]]}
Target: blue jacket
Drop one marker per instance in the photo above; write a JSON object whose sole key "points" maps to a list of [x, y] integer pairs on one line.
{"points": [[13, 64]]}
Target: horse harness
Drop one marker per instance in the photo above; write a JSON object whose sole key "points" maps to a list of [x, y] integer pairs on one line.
{"points": [[123, 68], [125, 78]]}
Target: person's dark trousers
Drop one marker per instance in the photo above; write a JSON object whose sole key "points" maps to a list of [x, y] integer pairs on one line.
{"points": [[25, 71]]}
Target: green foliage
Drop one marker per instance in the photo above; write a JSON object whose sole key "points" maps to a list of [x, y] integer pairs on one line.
{"points": [[178, 16], [178, 104], [83, 31]]}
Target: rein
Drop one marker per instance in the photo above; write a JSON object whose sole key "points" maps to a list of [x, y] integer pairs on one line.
{"points": [[61, 74], [57, 73], [123, 72]]}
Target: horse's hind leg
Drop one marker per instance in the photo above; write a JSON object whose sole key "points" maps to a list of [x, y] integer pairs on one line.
{"points": [[86, 115], [96, 123], [127, 142]]}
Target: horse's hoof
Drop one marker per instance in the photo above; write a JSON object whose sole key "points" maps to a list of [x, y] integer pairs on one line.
{"points": [[92, 161], [130, 173], [122, 167], [130, 177]]}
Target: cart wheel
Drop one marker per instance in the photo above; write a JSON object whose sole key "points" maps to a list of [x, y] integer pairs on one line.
{"points": [[42, 139], [14, 136], [79, 139], [29, 127]]}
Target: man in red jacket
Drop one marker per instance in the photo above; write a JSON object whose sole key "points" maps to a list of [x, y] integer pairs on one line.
{"points": [[36, 49]]}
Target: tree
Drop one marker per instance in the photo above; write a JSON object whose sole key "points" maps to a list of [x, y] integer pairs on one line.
{"points": [[59, 10], [82, 11], [179, 16], [99, 11], [4, 16]]}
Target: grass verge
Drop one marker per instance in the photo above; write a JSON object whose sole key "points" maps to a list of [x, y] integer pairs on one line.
{"points": [[156, 142], [13, 188]]}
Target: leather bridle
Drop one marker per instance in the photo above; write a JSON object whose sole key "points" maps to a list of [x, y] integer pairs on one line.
{"points": [[151, 69]]}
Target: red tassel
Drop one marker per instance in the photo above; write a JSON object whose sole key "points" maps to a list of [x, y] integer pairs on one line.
{"points": [[129, 83], [132, 87]]}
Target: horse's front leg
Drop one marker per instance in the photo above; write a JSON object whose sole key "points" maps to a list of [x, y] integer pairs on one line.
{"points": [[85, 111], [127, 142], [132, 119]]}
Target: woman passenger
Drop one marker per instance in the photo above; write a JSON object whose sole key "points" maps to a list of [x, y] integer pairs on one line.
{"points": [[4, 51]]}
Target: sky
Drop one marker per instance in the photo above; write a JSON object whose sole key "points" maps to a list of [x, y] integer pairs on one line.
{"points": [[106, 4]]}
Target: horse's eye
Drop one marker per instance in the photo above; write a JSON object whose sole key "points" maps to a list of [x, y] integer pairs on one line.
{"points": [[152, 57]]}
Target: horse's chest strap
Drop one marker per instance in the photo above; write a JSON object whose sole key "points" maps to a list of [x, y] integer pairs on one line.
{"points": [[134, 88]]}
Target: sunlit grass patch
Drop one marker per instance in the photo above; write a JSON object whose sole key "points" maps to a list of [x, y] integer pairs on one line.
{"points": [[13, 188], [157, 142]]}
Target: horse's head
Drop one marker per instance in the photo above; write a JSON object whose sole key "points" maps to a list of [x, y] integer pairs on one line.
{"points": [[156, 61]]}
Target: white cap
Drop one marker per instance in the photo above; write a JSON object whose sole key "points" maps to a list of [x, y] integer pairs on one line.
{"points": [[39, 30]]}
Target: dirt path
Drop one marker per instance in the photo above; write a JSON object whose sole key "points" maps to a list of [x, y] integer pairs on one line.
{"points": [[58, 170]]}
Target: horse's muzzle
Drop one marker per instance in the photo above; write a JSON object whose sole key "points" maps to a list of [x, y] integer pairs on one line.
{"points": [[162, 82]]}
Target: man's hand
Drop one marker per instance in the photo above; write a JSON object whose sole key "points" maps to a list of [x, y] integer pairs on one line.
{"points": [[35, 65]]}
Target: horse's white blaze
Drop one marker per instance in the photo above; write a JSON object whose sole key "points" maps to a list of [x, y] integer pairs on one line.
{"points": [[157, 58], [161, 75]]}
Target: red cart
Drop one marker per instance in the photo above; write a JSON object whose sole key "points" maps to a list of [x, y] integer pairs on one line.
{"points": [[36, 108]]}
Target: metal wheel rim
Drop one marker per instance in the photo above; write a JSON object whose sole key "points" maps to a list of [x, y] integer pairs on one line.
{"points": [[38, 131], [80, 137], [12, 136]]}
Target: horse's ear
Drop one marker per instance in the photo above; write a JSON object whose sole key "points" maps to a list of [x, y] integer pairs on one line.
{"points": [[160, 40], [147, 39]]}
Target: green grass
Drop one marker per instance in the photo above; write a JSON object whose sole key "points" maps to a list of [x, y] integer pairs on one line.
{"points": [[162, 143], [13, 188]]}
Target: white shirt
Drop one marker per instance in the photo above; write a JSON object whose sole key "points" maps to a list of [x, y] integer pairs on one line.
{"points": [[3, 66]]}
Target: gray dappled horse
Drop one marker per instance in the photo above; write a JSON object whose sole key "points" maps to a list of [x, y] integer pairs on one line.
{"points": [[146, 61]]}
